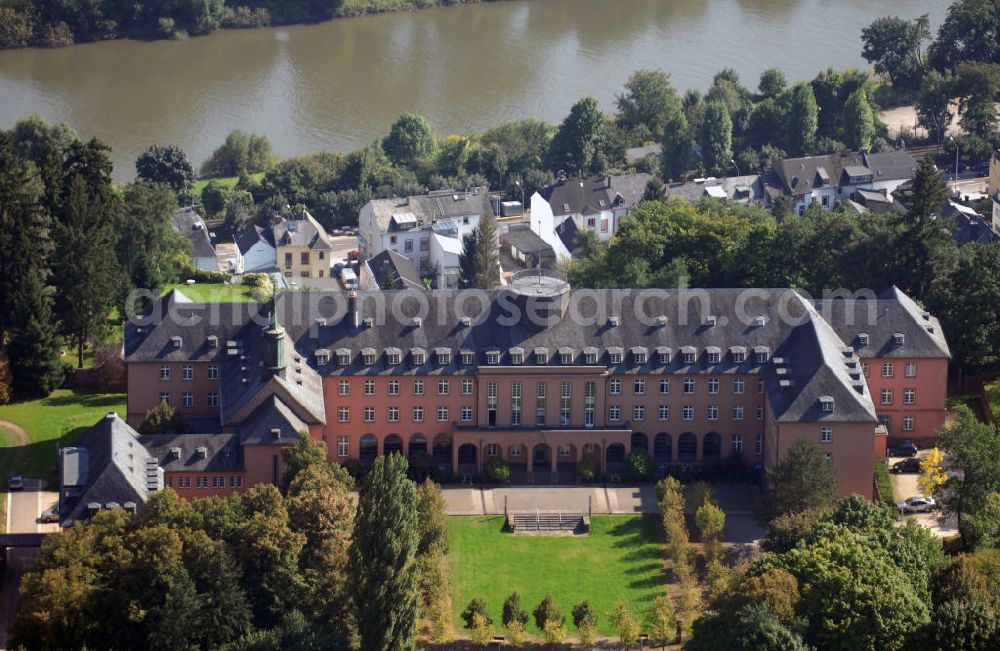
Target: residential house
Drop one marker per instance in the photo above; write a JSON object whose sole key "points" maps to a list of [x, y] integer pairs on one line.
{"points": [[388, 270], [256, 251], [543, 376], [829, 178], [747, 189], [428, 229], [521, 247], [298, 247], [189, 223], [597, 205]]}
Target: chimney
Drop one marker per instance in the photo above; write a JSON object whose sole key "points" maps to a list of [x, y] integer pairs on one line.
{"points": [[352, 309]]}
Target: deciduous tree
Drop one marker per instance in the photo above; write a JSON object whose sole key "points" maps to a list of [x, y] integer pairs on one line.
{"points": [[801, 480]]}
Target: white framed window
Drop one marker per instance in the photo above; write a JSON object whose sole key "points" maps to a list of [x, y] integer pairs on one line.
{"points": [[515, 404], [213, 371], [614, 358], [369, 387], [443, 387], [760, 357], [466, 414], [760, 412], [760, 385], [393, 388], [201, 481], [664, 386], [664, 412], [369, 414], [418, 414], [736, 443], [466, 387], [343, 414], [343, 446], [739, 386], [588, 448], [640, 358], [392, 413], [442, 414], [516, 359], [714, 358], [187, 399], [165, 397], [187, 372], [886, 396], [739, 357], [344, 387], [492, 449], [515, 449], [492, 358], [826, 434], [468, 359], [911, 369], [688, 412], [688, 386], [565, 403], [909, 396], [614, 413], [236, 481], [164, 372], [368, 359], [614, 387], [663, 358], [888, 369], [213, 399], [638, 413], [689, 358], [418, 387], [590, 358], [540, 403], [639, 387], [344, 359], [759, 445], [908, 424], [865, 368], [737, 412], [713, 385], [565, 450], [713, 412], [566, 358]]}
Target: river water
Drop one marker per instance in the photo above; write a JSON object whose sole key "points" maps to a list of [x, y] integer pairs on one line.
{"points": [[341, 84]]}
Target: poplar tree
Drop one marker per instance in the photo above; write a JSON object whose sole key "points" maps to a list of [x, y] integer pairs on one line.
{"points": [[383, 551], [716, 137], [803, 121], [859, 121]]}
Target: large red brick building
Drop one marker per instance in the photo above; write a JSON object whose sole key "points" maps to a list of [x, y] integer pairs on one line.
{"points": [[543, 376]]}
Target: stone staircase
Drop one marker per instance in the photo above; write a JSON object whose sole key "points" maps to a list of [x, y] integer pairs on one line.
{"points": [[548, 522]]}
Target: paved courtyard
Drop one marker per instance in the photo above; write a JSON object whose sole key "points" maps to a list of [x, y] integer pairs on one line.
{"points": [[905, 485]]}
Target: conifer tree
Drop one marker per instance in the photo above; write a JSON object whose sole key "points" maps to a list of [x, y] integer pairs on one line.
{"points": [[716, 138], [803, 121], [859, 121], [383, 566], [34, 347]]}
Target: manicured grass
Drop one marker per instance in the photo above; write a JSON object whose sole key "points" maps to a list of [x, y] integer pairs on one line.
{"points": [[214, 293], [621, 558], [50, 423]]}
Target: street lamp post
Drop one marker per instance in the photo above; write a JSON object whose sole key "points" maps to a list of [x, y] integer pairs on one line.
{"points": [[521, 188], [956, 156], [733, 161]]}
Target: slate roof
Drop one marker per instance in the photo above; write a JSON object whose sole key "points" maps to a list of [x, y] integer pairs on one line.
{"points": [[968, 226], [890, 313], [803, 175], [252, 235], [189, 223], [749, 188], [222, 452], [272, 415], [586, 197], [116, 469], [388, 263], [527, 241], [422, 210], [301, 230], [810, 346]]}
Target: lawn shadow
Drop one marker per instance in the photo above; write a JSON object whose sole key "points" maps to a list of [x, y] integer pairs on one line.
{"points": [[85, 399]]}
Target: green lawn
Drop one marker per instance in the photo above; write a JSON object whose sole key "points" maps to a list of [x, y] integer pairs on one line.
{"points": [[621, 558], [214, 293], [51, 422]]}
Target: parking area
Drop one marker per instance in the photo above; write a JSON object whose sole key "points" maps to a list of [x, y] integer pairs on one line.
{"points": [[904, 485], [341, 245], [24, 508]]}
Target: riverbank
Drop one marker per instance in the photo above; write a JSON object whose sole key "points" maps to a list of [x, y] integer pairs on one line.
{"points": [[36, 24]]}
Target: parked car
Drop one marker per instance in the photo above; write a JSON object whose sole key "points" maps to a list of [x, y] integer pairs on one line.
{"points": [[51, 514], [337, 267], [982, 169], [917, 504], [904, 449], [910, 465], [353, 255], [16, 483]]}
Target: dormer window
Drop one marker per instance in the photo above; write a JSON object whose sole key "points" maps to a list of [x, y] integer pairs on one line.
{"points": [[493, 357], [541, 356], [443, 357], [419, 356], [899, 338], [714, 355], [468, 358], [739, 355], [826, 404], [322, 357], [640, 358], [615, 358], [393, 357], [516, 356], [761, 355], [863, 338], [368, 356], [663, 355], [565, 357], [589, 355], [344, 357], [689, 355]]}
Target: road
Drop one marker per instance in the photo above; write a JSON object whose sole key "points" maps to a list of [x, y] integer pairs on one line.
{"points": [[25, 506]]}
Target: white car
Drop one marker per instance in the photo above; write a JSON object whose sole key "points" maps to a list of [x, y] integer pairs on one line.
{"points": [[50, 515], [917, 504]]}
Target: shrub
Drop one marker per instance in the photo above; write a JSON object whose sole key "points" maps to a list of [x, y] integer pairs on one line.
{"points": [[163, 419], [498, 470], [638, 465], [584, 613], [515, 634], [546, 612], [513, 611], [476, 607], [586, 468], [481, 630]]}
